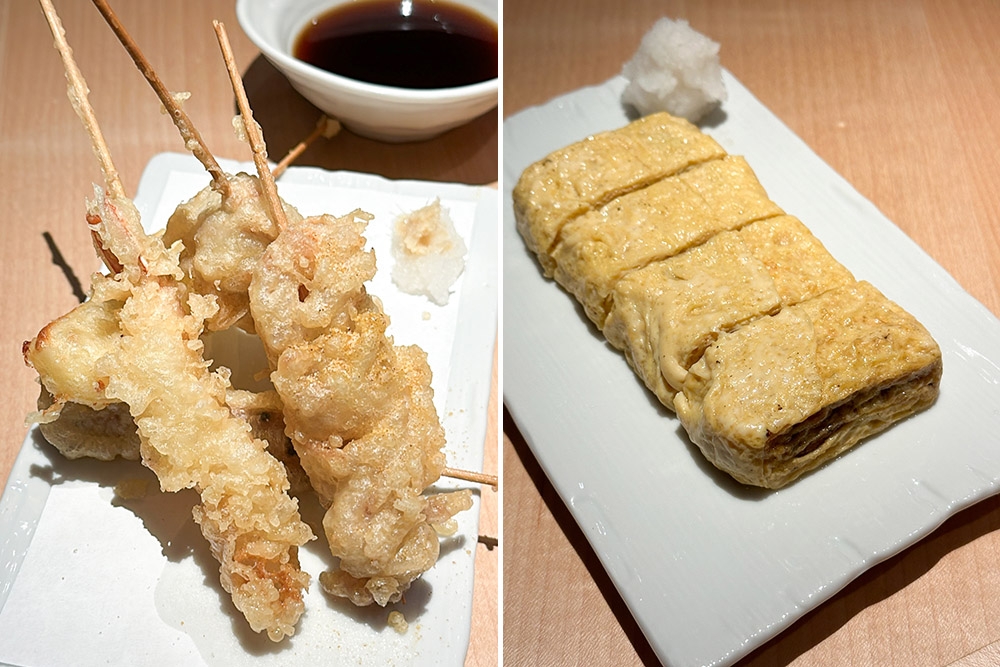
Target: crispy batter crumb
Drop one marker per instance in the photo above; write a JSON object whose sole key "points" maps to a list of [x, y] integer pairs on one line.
{"points": [[398, 622], [446, 529]]}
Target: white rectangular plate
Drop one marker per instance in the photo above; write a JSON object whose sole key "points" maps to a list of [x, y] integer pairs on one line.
{"points": [[89, 578], [711, 569]]}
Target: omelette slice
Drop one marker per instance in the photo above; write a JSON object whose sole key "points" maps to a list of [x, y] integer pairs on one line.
{"points": [[731, 190], [783, 394], [664, 315], [799, 264], [589, 173], [598, 248]]}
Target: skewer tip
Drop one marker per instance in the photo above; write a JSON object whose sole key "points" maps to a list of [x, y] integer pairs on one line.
{"points": [[470, 476]]}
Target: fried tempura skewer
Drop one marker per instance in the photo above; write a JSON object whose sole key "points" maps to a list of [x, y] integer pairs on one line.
{"points": [[359, 409], [189, 438], [147, 354], [270, 189], [192, 138]]}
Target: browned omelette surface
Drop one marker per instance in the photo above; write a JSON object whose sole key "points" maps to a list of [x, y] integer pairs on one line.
{"points": [[732, 312]]}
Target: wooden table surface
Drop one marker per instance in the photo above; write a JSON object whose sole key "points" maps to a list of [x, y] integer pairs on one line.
{"points": [[899, 96], [47, 169]]}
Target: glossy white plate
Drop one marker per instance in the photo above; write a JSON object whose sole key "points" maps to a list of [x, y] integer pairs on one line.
{"points": [[711, 569], [89, 578]]}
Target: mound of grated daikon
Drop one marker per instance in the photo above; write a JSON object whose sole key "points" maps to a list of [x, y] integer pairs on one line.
{"points": [[676, 69], [429, 253]]}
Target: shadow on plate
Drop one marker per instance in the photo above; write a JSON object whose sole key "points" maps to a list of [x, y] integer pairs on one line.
{"points": [[721, 479], [714, 118], [879, 584], [467, 154], [581, 545], [167, 517]]}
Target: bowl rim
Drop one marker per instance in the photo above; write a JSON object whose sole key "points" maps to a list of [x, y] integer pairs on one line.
{"points": [[280, 59]]}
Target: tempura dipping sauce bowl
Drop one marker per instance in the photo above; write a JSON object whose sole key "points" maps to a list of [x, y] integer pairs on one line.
{"points": [[391, 113]]}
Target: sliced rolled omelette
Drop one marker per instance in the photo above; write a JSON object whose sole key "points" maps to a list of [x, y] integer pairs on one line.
{"points": [[773, 356], [664, 315], [597, 249], [785, 393], [592, 172]]}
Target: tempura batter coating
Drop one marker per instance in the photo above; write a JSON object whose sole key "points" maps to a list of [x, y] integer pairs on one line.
{"points": [[386, 471], [81, 431], [189, 438], [358, 409], [314, 280], [224, 237], [145, 351], [64, 354]]}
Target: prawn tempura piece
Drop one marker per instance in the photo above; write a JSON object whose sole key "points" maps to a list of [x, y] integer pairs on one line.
{"points": [[189, 438], [359, 410], [137, 341]]}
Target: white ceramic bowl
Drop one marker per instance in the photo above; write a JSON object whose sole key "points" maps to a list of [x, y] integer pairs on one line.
{"points": [[379, 112]]}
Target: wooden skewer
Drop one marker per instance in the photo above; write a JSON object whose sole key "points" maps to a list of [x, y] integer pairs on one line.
{"points": [[78, 96], [469, 476], [78, 92], [326, 127], [254, 135], [189, 133]]}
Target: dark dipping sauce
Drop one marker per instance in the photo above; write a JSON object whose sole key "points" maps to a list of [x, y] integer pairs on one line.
{"points": [[407, 44]]}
